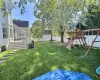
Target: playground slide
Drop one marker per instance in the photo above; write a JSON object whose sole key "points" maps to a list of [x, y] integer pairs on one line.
{"points": [[70, 43]]}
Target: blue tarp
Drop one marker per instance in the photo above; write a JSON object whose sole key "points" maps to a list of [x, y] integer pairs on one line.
{"points": [[63, 75]]}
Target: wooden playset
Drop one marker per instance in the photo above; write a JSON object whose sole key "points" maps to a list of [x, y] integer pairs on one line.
{"points": [[76, 33]]}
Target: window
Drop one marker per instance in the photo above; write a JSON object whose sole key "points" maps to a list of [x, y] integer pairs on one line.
{"points": [[20, 34], [14, 31], [11, 33], [5, 35]]}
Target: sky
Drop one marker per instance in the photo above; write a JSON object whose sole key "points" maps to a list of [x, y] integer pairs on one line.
{"points": [[27, 16]]}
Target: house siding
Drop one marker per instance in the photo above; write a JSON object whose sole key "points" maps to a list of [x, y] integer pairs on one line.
{"points": [[20, 32], [1, 37], [4, 23]]}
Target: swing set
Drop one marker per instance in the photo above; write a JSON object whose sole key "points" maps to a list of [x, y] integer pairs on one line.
{"points": [[79, 33], [94, 40]]}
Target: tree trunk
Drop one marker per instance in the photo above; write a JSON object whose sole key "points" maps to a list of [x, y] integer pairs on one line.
{"points": [[51, 36], [62, 35]]}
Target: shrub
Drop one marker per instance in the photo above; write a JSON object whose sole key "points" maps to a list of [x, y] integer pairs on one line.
{"points": [[3, 48], [31, 45]]}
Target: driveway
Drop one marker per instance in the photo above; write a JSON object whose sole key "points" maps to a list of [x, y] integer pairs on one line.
{"points": [[48, 37]]}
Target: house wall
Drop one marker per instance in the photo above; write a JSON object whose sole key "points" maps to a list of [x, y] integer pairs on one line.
{"points": [[24, 31], [4, 23], [15, 32], [9, 7], [1, 37], [20, 32]]}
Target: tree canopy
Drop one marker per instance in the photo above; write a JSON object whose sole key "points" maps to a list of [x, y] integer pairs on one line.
{"points": [[58, 14], [1, 3], [93, 16], [37, 29]]}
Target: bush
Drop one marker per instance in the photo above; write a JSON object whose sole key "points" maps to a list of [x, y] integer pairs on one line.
{"points": [[3, 48], [31, 45]]}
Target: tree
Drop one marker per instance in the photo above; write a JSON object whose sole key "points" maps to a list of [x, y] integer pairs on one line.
{"points": [[1, 3], [93, 16], [64, 14], [56, 13], [37, 29], [44, 10], [51, 12]]}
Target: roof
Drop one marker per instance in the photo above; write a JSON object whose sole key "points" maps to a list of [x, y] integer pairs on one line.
{"points": [[73, 26], [76, 25], [21, 23]]}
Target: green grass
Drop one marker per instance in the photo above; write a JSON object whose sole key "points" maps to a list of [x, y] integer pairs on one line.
{"points": [[2, 54], [31, 63]]}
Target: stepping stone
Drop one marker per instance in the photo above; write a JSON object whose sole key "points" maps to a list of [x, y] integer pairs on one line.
{"points": [[15, 50], [6, 57], [1, 61], [10, 54]]}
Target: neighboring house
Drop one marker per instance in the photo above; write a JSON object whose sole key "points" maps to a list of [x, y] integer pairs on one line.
{"points": [[47, 32], [6, 25], [21, 29]]}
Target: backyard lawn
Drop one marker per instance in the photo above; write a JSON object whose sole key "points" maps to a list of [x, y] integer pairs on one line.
{"points": [[31, 63]]}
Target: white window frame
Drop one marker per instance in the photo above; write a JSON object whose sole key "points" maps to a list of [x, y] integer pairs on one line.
{"points": [[9, 19]]}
